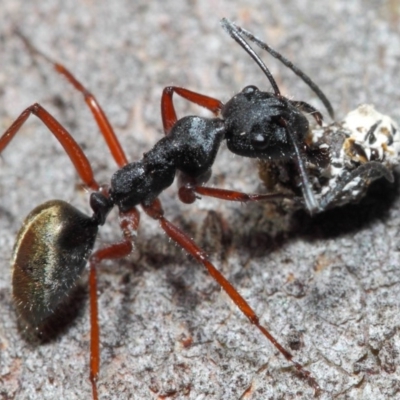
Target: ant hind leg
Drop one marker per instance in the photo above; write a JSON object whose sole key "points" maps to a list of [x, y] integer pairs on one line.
{"points": [[156, 212], [94, 106], [129, 222]]}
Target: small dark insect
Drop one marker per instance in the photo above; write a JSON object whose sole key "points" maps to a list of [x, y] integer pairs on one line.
{"points": [[56, 240]]}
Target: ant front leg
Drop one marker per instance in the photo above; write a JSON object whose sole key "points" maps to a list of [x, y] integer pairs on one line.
{"points": [[190, 188], [129, 223], [168, 112], [156, 212]]}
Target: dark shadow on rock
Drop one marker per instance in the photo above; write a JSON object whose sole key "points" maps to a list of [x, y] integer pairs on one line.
{"points": [[258, 242], [349, 218]]}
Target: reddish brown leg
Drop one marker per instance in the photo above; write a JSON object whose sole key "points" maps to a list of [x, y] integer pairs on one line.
{"points": [[168, 113], [156, 212], [187, 194], [129, 223], [98, 113], [75, 153]]}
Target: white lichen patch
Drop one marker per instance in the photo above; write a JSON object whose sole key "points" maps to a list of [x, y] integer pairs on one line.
{"points": [[364, 137], [375, 133]]}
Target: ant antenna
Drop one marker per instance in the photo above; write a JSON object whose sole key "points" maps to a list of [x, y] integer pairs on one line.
{"points": [[309, 198], [234, 32], [304, 77]]}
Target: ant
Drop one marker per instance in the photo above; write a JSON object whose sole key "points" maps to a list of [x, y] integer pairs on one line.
{"points": [[56, 240]]}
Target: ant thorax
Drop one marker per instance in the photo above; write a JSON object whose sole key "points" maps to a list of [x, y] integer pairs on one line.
{"points": [[342, 159]]}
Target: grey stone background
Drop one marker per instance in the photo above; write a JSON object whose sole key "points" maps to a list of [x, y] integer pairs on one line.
{"points": [[327, 287]]}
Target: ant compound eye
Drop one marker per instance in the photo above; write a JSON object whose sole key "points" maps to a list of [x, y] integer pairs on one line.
{"points": [[259, 141], [260, 136], [249, 90]]}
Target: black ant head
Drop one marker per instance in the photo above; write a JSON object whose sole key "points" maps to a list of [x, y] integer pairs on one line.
{"points": [[255, 127], [272, 127]]}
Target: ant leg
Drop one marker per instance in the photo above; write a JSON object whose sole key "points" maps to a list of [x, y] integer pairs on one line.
{"points": [[232, 195], [187, 194], [156, 212], [189, 188], [75, 153], [308, 108], [129, 222], [98, 113], [168, 113]]}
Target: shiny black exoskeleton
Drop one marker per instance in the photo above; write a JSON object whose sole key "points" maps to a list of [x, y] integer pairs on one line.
{"points": [[190, 147], [253, 121]]}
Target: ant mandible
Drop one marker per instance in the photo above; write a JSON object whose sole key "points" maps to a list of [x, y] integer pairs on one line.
{"points": [[56, 239]]}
